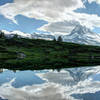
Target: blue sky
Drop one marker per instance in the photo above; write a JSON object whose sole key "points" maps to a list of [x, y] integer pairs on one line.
{"points": [[44, 17], [24, 24], [2, 2], [91, 8]]}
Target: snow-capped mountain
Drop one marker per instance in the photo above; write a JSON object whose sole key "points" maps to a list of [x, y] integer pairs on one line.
{"points": [[45, 36], [82, 35], [12, 33]]}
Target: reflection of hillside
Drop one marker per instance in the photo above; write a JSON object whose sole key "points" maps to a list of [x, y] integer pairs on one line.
{"points": [[71, 77], [1, 70], [81, 74]]}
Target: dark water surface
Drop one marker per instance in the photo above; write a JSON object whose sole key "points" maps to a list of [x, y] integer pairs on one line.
{"points": [[68, 84]]}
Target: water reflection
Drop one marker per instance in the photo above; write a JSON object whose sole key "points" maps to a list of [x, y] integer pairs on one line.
{"points": [[1, 70], [88, 96], [22, 78], [68, 84]]}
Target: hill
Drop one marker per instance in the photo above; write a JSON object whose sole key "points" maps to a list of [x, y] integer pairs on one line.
{"points": [[19, 53]]}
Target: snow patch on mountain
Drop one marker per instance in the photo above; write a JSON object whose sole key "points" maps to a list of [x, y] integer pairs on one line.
{"points": [[82, 35]]}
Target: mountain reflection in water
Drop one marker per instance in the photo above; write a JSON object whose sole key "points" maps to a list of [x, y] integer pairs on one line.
{"points": [[69, 84]]}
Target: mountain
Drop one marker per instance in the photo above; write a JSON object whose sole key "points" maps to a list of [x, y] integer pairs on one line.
{"points": [[12, 33], [45, 36], [82, 35]]}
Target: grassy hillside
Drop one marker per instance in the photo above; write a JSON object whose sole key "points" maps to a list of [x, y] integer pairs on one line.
{"points": [[39, 54]]}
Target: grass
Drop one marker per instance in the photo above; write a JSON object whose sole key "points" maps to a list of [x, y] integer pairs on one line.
{"points": [[41, 54]]}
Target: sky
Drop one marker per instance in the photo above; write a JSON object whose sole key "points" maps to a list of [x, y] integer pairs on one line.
{"points": [[49, 16]]}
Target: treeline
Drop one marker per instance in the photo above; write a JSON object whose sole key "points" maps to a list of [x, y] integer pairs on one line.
{"points": [[59, 39], [2, 35], [45, 54]]}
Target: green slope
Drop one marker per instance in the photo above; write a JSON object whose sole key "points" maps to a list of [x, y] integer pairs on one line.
{"points": [[39, 54]]}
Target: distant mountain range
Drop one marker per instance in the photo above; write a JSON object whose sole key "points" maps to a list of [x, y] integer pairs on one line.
{"points": [[27, 35], [80, 34]]}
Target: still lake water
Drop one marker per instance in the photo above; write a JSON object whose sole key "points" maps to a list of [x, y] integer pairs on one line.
{"points": [[67, 84]]}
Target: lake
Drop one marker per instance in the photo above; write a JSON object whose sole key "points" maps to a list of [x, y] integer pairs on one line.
{"points": [[82, 83]]}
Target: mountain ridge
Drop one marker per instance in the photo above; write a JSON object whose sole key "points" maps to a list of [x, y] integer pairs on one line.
{"points": [[80, 34]]}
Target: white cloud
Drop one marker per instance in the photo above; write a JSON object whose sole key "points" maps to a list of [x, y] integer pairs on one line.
{"points": [[63, 27], [59, 13], [72, 20], [49, 10]]}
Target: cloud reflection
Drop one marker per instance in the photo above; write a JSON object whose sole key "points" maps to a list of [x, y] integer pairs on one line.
{"points": [[58, 86]]}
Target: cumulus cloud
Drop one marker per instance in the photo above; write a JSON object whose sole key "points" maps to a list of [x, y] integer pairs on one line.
{"points": [[63, 27], [73, 19], [59, 14], [49, 10]]}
